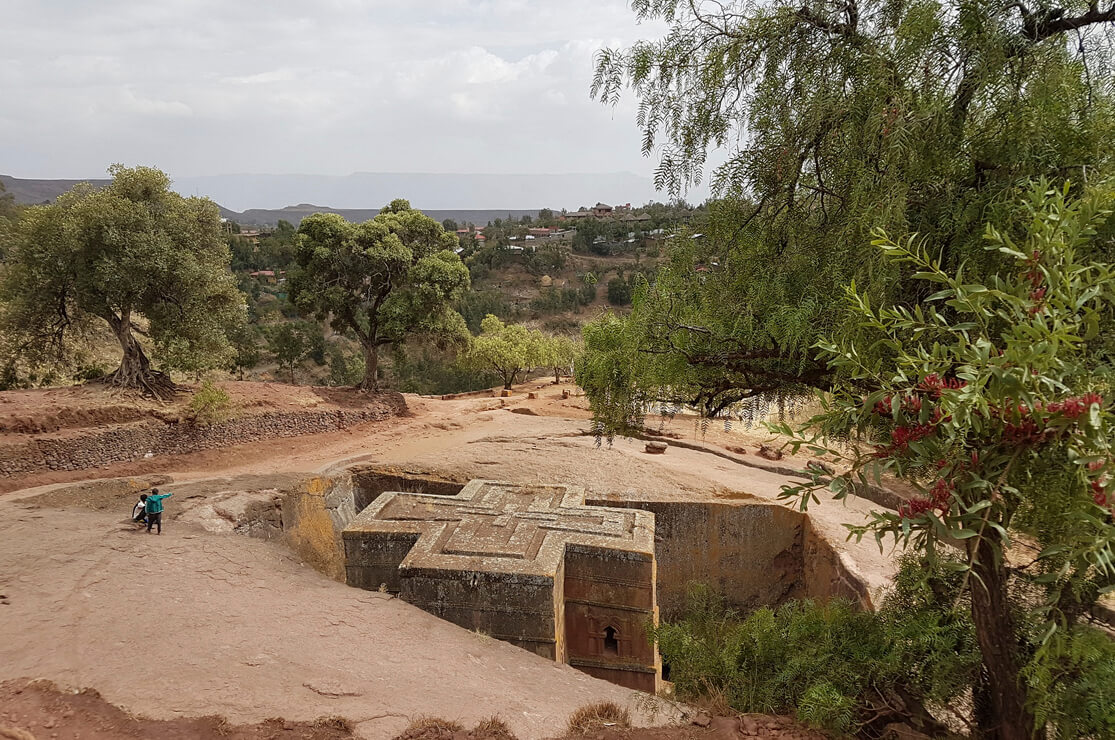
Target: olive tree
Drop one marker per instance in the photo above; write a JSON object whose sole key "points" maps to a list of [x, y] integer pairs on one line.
{"points": [[134, 255], [387, 279]]}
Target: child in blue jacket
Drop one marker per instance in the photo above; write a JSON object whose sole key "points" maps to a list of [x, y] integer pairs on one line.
{"points": [[155, 509]]}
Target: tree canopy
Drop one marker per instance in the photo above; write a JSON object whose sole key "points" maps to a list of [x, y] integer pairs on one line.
{"points": [[840, 116], [134, 255], [509, 350], [383, 280], [997, 414]]}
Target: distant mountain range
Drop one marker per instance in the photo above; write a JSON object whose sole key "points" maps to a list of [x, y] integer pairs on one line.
{"points": [[475, 198]]}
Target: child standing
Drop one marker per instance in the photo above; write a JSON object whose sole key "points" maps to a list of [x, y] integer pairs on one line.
{"points": [[154, 509]]}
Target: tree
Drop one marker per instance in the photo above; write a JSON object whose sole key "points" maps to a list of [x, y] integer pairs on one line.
{"points": [[288, 343], [345, 368], [384, 280], [840, 116], [246, 351], [9, 215], [134, 255], [449, 225], [506, 349], [619, 292], [989, 400], [560, 352]]}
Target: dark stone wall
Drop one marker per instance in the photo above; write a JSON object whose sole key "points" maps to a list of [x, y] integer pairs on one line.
{"points": [[129, 442]]}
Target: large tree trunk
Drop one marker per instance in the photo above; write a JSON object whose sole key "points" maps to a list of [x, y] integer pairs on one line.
{"points": [[998, 642], [135, 369], [371, 367]]}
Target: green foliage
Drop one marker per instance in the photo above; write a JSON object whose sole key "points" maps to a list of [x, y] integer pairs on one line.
{"points": [[545, 259], [839, 118], [508, 350], [244, 338], [345, 368], [209, 404], [619, 292], [476, 304], [133, 255], [557, 300], [272, 250], [289, 344], [1075, 685], [384, 280], [430, 371], [832, 665], [560, 353], [987, 399]]}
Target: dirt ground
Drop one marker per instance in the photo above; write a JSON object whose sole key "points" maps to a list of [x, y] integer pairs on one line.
{"points": [[195, 623], [31, 710]]}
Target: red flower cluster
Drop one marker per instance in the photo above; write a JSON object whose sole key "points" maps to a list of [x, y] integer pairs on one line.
{"points": [[1026, 431], [915, 507], [1099, 491], [934, 385], [1075, 406], [939, 498], [1022, 427]]}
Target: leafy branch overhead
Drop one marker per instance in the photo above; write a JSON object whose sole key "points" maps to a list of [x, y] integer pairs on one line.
{"points": [[837, 117], [992, 401]]}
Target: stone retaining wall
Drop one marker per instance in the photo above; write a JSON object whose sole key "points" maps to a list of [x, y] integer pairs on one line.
{"points": [[128, 442], [752, 554]]}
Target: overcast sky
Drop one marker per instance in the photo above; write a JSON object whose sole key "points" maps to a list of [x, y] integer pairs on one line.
{"points": [[208, 87]]}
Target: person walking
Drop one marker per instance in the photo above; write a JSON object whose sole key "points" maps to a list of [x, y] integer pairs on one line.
{"points": [[155, 510]]}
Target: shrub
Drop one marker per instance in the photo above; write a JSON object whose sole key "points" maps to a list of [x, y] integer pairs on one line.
{"points": [[209, 404], [832, 665], [619, 292], [492, 728], [345, 368], [432, 728]]}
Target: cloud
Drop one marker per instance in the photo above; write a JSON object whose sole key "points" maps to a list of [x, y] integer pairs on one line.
{"points": [[132, 102], [207, 87]]}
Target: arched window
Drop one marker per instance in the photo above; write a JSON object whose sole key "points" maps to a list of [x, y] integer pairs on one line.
{"points": [[611, 644]]}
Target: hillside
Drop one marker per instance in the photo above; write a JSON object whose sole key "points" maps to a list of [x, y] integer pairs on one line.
{"points": [[295, 214], [462, 197], [32, 192]]}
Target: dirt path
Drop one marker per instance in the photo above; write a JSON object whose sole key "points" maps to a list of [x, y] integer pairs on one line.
{"points": [[224, 624], [189, 624]]}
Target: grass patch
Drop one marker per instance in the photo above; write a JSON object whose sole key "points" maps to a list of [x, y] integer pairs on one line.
{"points": [[595, 717]]}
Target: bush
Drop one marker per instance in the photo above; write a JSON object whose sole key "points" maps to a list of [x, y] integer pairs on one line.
{"points": [[345, 368], [209, 404], [832, 665], [619, 292]]}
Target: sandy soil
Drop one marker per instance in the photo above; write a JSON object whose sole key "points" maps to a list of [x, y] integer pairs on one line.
{"points": [[225, 624]]}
